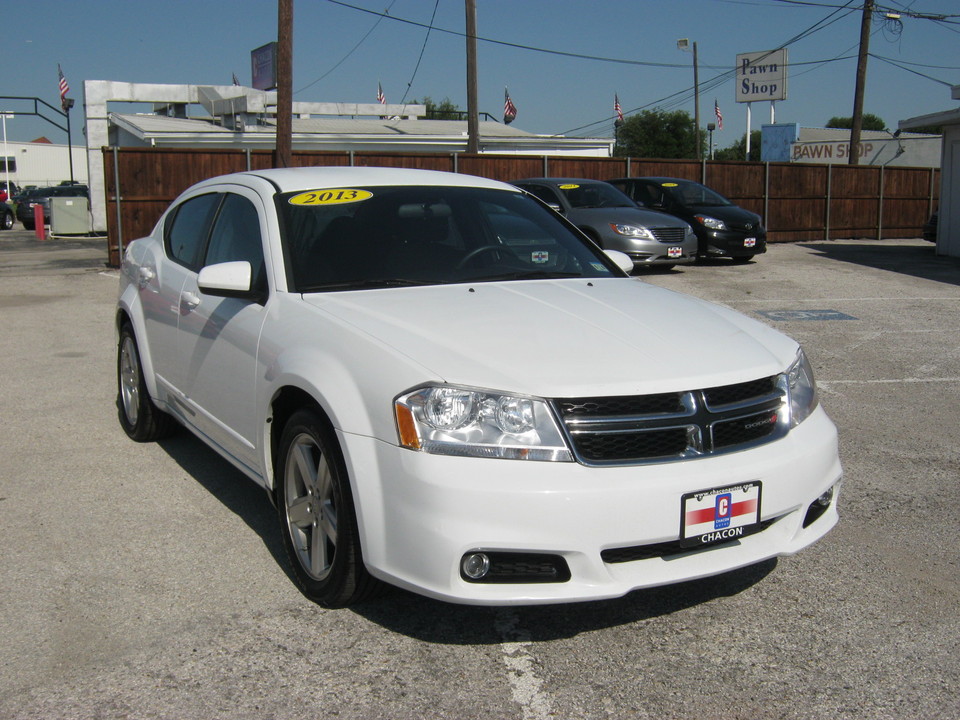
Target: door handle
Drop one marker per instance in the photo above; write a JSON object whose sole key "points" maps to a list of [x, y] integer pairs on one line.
{"points": [[189, 300]]}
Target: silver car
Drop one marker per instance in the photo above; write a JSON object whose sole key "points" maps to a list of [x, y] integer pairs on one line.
{"points": [[614, 222]]}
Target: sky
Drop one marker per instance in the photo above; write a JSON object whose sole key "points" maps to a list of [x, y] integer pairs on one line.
{"points": [[562, 60]]}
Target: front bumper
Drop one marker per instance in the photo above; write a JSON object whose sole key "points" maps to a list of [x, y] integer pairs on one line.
{"points": [[419, 514], [732, 243]]}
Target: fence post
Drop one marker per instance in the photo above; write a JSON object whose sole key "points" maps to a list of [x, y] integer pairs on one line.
{"points": [[933, 177], [546, 167], [826, 220], [249, 165], [456, 165], [629, 170], [703, 171], [880, 207], [117, 200], [766, 193]]}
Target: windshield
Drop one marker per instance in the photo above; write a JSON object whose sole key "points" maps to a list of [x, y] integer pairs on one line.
{"points": [[360, 238], [594, 195], [693, 194]]}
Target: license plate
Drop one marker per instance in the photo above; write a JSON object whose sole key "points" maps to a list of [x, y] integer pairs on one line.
{"points": [[674, 252], [719, 515], [749, 242]]}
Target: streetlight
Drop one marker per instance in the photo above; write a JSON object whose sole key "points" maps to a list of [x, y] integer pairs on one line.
{"points": [[710, 128], [6, 156], [684, 44]]}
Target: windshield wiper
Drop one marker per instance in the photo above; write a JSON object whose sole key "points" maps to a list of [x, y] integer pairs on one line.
{"points": [[527, 275], [368, 284]]}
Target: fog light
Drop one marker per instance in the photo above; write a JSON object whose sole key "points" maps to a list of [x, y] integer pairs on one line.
{"points": [[826, 498], [475, 565]]}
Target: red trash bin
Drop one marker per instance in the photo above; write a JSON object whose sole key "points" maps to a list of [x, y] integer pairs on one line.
{"points": [[38, 227]]}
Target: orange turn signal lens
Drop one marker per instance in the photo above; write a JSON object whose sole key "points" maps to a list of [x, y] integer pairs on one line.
{"points": [[407, 427]]}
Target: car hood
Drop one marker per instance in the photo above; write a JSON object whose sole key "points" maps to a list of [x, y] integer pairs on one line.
{"points": [[728, 213], [624, 215], [558, 338]]}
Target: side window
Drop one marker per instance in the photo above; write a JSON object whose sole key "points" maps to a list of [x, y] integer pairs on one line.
{"points": [[236, 236], [187, 231], [544, 193]]}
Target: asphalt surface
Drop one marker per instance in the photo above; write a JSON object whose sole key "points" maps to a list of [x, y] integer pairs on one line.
{"points": [[148, 581]]}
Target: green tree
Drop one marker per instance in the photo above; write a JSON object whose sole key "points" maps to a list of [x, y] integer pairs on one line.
{"points": [[738, 150], [659, 134], [870, 122], [444, 110]]}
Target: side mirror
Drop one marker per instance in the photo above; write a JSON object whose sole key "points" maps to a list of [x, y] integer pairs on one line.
{"points": [[622, 260], [229, 279]]}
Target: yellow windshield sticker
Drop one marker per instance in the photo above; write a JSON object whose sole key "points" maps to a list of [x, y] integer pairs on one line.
{"points": [[569, 187], [669, 184], [335, 196]]}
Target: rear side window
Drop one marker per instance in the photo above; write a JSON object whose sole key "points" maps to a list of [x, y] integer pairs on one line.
{"points": [[186, 233]]}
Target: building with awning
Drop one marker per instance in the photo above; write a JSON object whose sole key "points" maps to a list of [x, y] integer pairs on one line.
{"points": [[948, 226], [236, 117]]}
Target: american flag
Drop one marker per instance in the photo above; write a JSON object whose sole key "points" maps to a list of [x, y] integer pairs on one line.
{"points": [[64, 87], [509, 109], [380, 97], [716, 110], [618, 110]]}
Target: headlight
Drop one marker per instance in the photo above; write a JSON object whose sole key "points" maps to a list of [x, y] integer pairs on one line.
{"points": [[451, 420], [801, 389], [710, 222], [636, 231]]}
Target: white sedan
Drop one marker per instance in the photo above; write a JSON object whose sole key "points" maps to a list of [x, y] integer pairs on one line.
{"points": [[444, 386]]}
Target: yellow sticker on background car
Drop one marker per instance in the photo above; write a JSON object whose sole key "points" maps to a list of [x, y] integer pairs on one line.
{"points": [[335, 196], [569, 187], [669, 185]]}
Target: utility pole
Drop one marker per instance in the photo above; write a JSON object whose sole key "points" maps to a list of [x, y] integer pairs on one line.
{"points": [[696, 100], [473, 114], [857, 122], [283, 154]]}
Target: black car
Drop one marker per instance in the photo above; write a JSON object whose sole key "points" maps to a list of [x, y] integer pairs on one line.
{"points": [[723, 229], [41, 196]]}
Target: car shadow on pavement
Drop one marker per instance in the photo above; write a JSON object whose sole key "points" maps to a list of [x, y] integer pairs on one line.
{"points": [[236, 491], [919, 261], [433, 621]]}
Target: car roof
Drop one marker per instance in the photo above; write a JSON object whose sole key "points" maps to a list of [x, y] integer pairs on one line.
{"points": [[560, 181], [309, 178]]}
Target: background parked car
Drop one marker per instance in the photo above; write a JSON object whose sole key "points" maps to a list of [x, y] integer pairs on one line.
{"points": [[42, 196], [723, 229], [614, 222]]}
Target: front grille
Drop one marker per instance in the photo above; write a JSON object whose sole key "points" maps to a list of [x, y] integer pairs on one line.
{"points": [[669, 234], [673, 426]]}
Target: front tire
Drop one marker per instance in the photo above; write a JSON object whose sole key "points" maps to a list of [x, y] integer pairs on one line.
{"points": [[7, 221], [140, 419], [317, 516]]}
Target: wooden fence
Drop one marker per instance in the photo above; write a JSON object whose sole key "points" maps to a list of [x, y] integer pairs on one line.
{"points": [[797, 201]]}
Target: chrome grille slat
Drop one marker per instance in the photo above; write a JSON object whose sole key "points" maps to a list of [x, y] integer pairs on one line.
{"points": [[673, 426]]}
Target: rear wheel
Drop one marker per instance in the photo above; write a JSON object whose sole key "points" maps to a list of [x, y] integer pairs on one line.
{"points": [[7, 221], [139, 417], [317, 516]]}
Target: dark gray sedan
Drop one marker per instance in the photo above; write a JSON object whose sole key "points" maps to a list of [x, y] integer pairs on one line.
{"points": [[614, 222]]}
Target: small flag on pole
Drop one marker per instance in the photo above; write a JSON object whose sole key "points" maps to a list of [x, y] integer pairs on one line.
{"points": [[716, 110], [235, 80], [509, 109], [64, 87], [381, 98], [618, 110]]}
